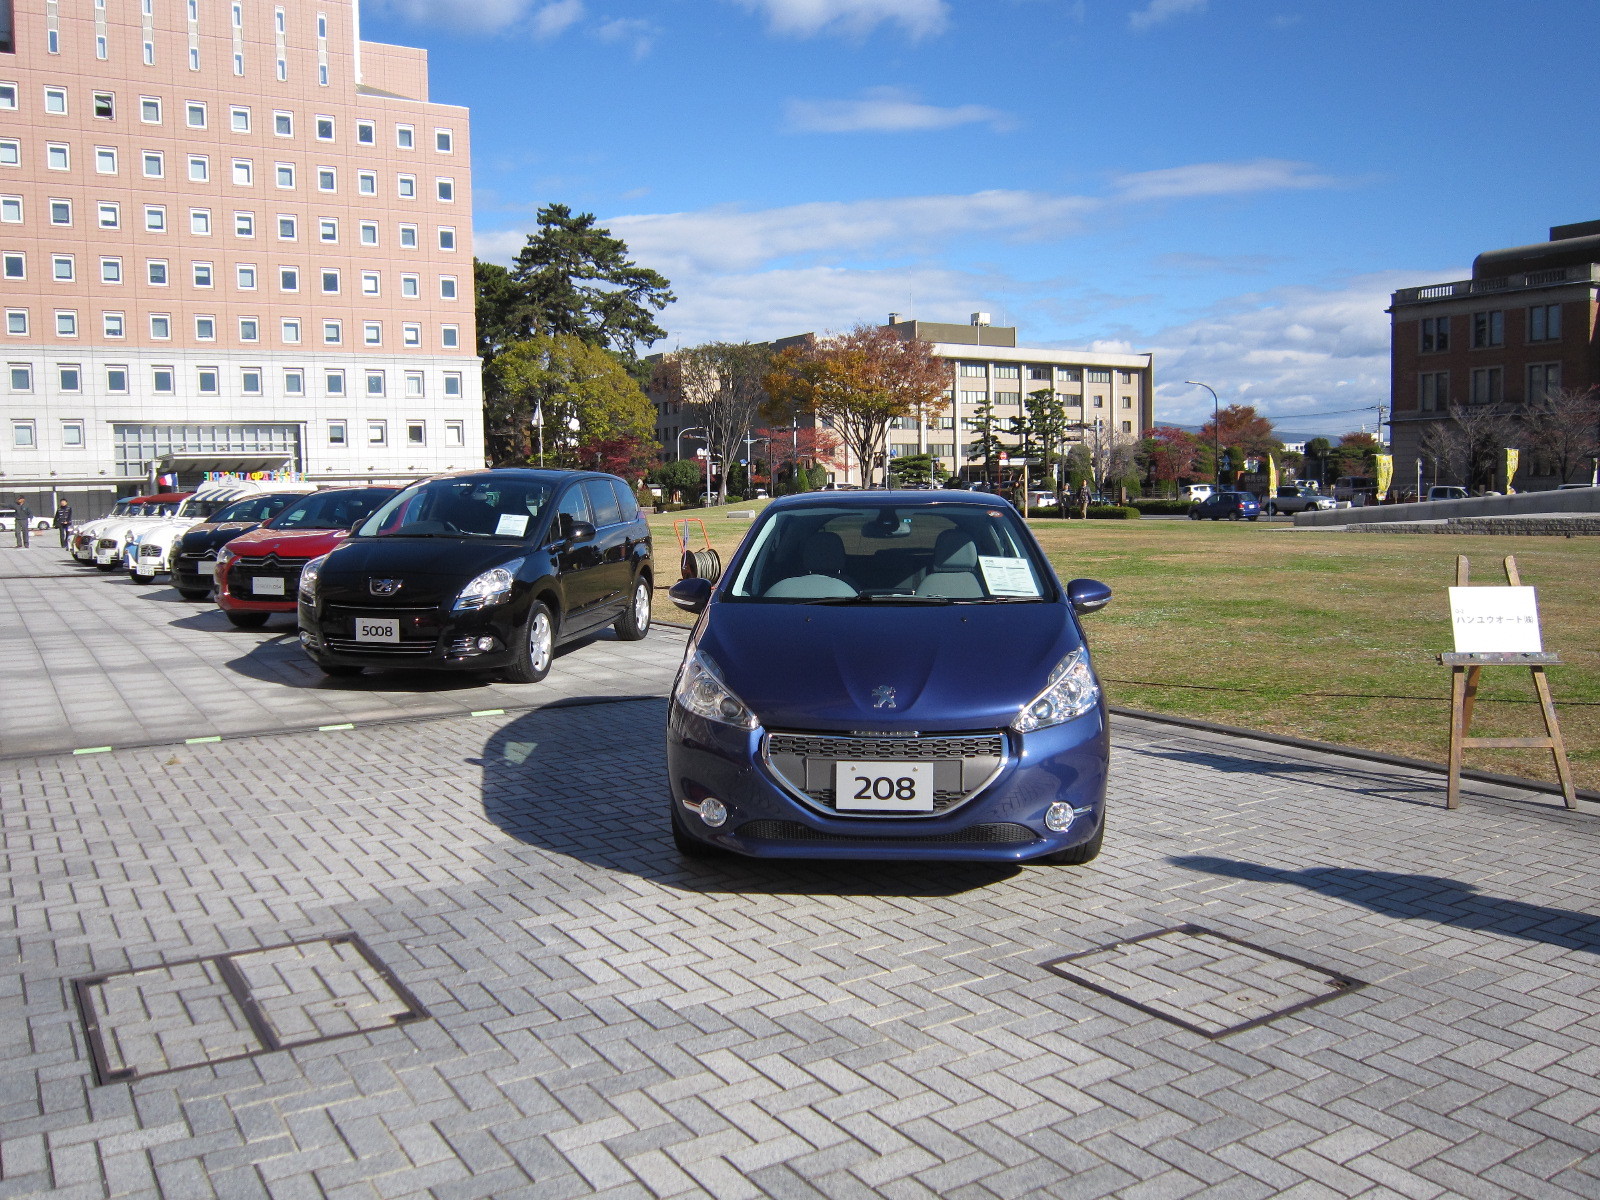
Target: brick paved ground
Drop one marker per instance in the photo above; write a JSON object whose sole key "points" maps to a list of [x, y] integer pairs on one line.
{"points": [[91, 659], [608, 1019]]}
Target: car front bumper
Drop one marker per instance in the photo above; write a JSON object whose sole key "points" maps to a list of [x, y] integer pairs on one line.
{"points": [[430, 638], [1003, 822]]}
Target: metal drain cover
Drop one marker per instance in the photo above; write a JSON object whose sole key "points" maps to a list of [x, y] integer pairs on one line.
{"points": [[1204, 981], [211, 1010]]}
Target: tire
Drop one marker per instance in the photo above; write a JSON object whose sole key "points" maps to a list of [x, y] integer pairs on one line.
{"points": [[634, 624], [1257, 517], [194, 593], [536, 646], [247, 620], [338, 670], [687, 846], [1233, 516], [138, 578], [1194, 516], [1078, 855]]}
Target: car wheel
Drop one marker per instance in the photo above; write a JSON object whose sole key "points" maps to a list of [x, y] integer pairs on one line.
{"points": [[338, 670], [1194, 516], [1078, 855], [194, 593], [138, 578], [536, 647], [632, 625], [1257, 517], [688, 846], [247, 620]]}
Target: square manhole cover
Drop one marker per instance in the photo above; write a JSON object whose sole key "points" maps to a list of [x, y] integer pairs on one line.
{"points": [[210, 1010], [1206, 982]]}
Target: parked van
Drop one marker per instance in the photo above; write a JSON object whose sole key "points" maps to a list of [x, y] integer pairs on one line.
{"points": [[1358, 489], [1197, 492]]}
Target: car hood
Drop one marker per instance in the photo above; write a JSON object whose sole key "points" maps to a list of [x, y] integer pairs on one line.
{"points": [[430, 570], [291, 543], [819, 666], [208, 535], [170, 527]]}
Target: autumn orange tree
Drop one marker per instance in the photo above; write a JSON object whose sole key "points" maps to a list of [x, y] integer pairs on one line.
{"points": [[858, 383]]}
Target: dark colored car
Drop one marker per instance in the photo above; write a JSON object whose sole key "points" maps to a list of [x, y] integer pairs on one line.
{"points": [[195, 563], [889, 675], [258, 573], [481, 571], [1227, 506]]}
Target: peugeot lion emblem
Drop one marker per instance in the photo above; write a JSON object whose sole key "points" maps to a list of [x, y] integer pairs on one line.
{"points": [[383, 587], [883, 696]]}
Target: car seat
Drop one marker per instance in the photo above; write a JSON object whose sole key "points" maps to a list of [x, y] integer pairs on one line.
{"points": [[954, 570], [822, 558]]}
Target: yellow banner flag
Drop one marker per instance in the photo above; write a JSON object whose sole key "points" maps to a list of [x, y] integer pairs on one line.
{"points": [[1385, 473], [1513, 457], [1272, 477]]}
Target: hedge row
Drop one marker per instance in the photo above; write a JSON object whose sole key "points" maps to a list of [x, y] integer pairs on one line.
{"points": [[1176, 508], [1097, 512]]}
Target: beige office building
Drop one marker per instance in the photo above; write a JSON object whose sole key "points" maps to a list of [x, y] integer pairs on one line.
{"points": [[233, 236]]}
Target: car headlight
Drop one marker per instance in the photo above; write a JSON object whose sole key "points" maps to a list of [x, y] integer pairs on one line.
{"points": [[700, 689], [491, 588], [225, 556], [1070, 692], [308, 575]]}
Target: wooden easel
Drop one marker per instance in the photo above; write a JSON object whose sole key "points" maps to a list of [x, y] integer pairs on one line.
{"points": [[1464, 670]]}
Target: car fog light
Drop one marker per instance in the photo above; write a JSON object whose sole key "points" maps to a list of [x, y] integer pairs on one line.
{"points": [[486, 643], [1058, 817], [305, 638], [713, 811]]}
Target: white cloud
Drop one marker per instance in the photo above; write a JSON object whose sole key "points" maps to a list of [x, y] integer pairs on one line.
{"points": [[556, 18], [887, 110], [639, 35], [1158, 11], [1219, 179], [806, 18]]}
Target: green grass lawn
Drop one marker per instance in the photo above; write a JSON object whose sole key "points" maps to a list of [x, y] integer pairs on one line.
{"points": [[1330, 636]]}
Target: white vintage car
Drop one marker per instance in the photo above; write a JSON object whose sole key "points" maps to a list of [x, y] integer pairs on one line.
{"points": [[151, 551], [101, 541]]}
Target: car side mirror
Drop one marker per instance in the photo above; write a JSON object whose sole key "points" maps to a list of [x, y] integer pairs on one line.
{"points": [[574, 531], [691, 595], [1088, 595]]}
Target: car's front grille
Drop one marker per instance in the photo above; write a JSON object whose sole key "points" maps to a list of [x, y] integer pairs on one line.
{"points": [[387, 649], [246, 569], [963, 764], [996, 833]]}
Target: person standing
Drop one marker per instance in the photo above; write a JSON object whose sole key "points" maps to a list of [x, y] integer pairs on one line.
{"points": [[63, 521], [21, 523]]}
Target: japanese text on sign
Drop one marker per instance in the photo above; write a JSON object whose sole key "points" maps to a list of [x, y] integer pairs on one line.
{"points": [[1495, 620]]}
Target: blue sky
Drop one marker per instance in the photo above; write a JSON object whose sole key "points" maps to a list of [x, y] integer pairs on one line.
{"points": [[1236, 185]]}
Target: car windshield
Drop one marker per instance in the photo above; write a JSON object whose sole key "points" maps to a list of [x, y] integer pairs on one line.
{"points": [[890, 553], [255, 508], [331, 510], [200, 508], [484, 507]]}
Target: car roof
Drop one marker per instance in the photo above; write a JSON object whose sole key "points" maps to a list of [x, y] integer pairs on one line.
{"points": [[159, 497], [880, 497], [533, 474]]}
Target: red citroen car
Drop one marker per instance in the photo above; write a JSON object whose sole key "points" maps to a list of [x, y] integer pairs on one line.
{"points": [[258, 573]]}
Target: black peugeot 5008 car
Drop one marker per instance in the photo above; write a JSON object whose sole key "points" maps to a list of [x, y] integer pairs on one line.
{"points": [[481, 571]]}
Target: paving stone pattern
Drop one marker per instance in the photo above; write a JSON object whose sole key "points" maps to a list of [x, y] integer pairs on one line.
{"points": [[609, 1019], [91, 659]]}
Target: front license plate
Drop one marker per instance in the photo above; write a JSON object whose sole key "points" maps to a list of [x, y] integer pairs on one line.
{"points": [[370, 630], [146, 568], [883, 787], [267, 585], [106, 556], [207, 567]]}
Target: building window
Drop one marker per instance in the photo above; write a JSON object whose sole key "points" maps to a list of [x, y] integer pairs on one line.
{"points": [[23, 436], [294, 382], [447, 237], [455, 433], [10, 152], [443, 141], [1488, 329], [1435, 334], [1487, 385], [375, 383], [199, 168], [161, 380], [446, 189], [324, 129], [17, 320], [243, 172], [150, 110], [21, 377], [62, 268], [244, 224], [67, 323], [200, 221], [202, 274], [155, 218], [411, 335], [288, 279], [8, 96], [336, 433], [369, 283], [377, 433], [160, 326], [57, 157], [110, 270], [369, 233], [372, 333], [330, 282], [290, 331], [405, 136], [366, 133], [288, 230], [450, 336], [1127, 402], [113, 324], [408, 237], [333, 383], [109, 216], [332, 333], [972, 370], [408, 187], [249, 329], [105, 160], [414, 385], [11, 210], [328, 229], [285, 175], [1097, 376], [14, 266], [205, 329], [1543, 379], [239, 119], [1002, 371], [367, 183], [447, 287], [194, 114], [60, 212], [283, 124], [116, 379], [411, 287], [245, 276], [55, 101], [207, 379], [416, 433], [327, 179], [452, 383], [72, 435], [1544, 323], [250, 381], [1099, 402]]}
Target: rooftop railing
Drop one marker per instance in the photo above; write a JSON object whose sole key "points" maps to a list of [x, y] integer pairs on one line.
{"points": [[1583, 273]]}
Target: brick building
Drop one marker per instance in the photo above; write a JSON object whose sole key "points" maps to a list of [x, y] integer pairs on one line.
{"points": [[1524, 324], [233, 236]]}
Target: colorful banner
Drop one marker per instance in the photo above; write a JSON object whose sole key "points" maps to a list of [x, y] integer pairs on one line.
{"points": [[1513, 458], [1385, 464]]}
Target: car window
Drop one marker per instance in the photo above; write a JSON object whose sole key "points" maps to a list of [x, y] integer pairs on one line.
{"points": [[602, 501], [255, 508], [574, 504], [332, 509], [895, 553], [625, 499], [462, 506]]}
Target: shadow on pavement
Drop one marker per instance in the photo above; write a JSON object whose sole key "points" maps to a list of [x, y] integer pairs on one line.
{"points": [[1423, 897], [589, 782], [1406, 788]]}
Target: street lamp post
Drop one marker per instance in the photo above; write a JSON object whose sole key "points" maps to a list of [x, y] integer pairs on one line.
{"points": [[678, 451], [748, 460], [1216, 428]]}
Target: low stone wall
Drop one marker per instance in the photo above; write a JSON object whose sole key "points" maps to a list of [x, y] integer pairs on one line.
{"points": [[1573, 500], [1547, 526]]}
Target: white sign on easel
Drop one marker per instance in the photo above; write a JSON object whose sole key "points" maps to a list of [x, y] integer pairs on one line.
{"points": [[1495, 620]]}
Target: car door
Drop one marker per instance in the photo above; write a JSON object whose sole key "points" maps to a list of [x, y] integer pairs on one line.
{"points": [[611, 541], [577, 564]]}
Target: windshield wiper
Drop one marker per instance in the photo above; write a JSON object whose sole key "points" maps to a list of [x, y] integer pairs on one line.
{"points": [[1001, 600], [881, 598]]}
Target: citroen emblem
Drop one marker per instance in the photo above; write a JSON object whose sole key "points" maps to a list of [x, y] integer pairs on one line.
{"points": [[883, 696], [383, 587]]}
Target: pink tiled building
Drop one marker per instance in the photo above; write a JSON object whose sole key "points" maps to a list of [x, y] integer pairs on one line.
{"points": [[233, 236]]}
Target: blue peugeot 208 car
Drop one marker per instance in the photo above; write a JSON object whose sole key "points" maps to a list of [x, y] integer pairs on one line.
{"points": [[889, 675]]}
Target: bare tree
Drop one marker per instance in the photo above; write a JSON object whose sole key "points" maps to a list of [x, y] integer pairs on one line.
{"points": [[1564, 429], [1114, 456], [721, 383], [1467, 445]]}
